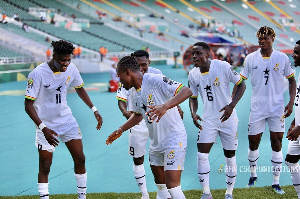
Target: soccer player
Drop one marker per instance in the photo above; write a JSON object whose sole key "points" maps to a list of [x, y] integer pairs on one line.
{"points": [[268, 68], [293, 153], [138, 135], [154, 99], [211, 78], [46, 104]]}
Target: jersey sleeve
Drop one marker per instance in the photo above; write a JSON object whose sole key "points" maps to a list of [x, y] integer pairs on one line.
{"points": [[288, 70], [232, 75], [122, 93], [133, 105], [245, 72], [33, 85], [192, 86], [169, 87], [77, 81]]}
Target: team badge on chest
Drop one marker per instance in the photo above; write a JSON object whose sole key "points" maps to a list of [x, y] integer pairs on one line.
{"points": [[216, 82], [150, 100], [276, 67]]}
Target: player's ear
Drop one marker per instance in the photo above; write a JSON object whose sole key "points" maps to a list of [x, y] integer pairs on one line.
{"points": [[207, 55], [149, 61]]}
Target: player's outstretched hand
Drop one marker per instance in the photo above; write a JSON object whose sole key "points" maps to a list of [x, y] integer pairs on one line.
{"points": [[294, 134], [50, 136], [99, 119], [115, 135], [156, 112], [196, 117], [288, 110], [227, 112]]}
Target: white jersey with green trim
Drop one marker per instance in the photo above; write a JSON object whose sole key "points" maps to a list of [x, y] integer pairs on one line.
{"points": [[123, 95], [49, 90], [214, 89], [156, 90], [267, 79], [297, 104]]}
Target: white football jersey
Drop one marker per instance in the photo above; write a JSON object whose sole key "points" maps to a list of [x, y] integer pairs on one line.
{"points": [[169, 131], [123, 95], [297, 105], [267, 79], [154, 70], [49, 92], [214, 89]]}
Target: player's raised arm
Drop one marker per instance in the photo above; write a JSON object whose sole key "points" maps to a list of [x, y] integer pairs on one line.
{"points": [[156, 112], [132, 121], [85, 97]]}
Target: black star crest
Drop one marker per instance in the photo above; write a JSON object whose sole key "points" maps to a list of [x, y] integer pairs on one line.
{"points": [[58, 88], [144, 107], [266, 71], [207, 88]]}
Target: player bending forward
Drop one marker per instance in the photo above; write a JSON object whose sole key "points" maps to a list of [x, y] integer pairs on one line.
{"points": [[155, 99]]}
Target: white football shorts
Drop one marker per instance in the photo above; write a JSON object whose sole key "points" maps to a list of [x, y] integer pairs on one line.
{"points": [[70, 132], [137, 142], [171, 159], [275, 123], [227, 132]]}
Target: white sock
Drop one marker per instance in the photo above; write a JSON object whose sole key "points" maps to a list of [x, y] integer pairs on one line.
{"points": [[81, 185], [277, 165], [162, 191], [203, 171], [295, 174], [43, 189], [139, 174], [176, 193], [253, 157], [231, 171]]}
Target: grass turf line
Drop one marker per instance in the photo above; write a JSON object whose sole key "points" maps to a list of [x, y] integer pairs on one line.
{"points": [[243, 193]]}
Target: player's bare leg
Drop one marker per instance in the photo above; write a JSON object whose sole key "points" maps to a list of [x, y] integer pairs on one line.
{"points": [[45, 161], [159, 179], [172, 178], [76, 149]]}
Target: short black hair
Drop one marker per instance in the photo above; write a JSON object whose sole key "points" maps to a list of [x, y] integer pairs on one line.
{"points": [[128, 62], [62, 47], [141, 53], [265, 30], [298, 42], [204, 45]]}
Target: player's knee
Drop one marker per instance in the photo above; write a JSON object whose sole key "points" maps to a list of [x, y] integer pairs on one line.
{"points": [[138, 161], [291, 159], [79, 160], [229, 153], [44, 169]]}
